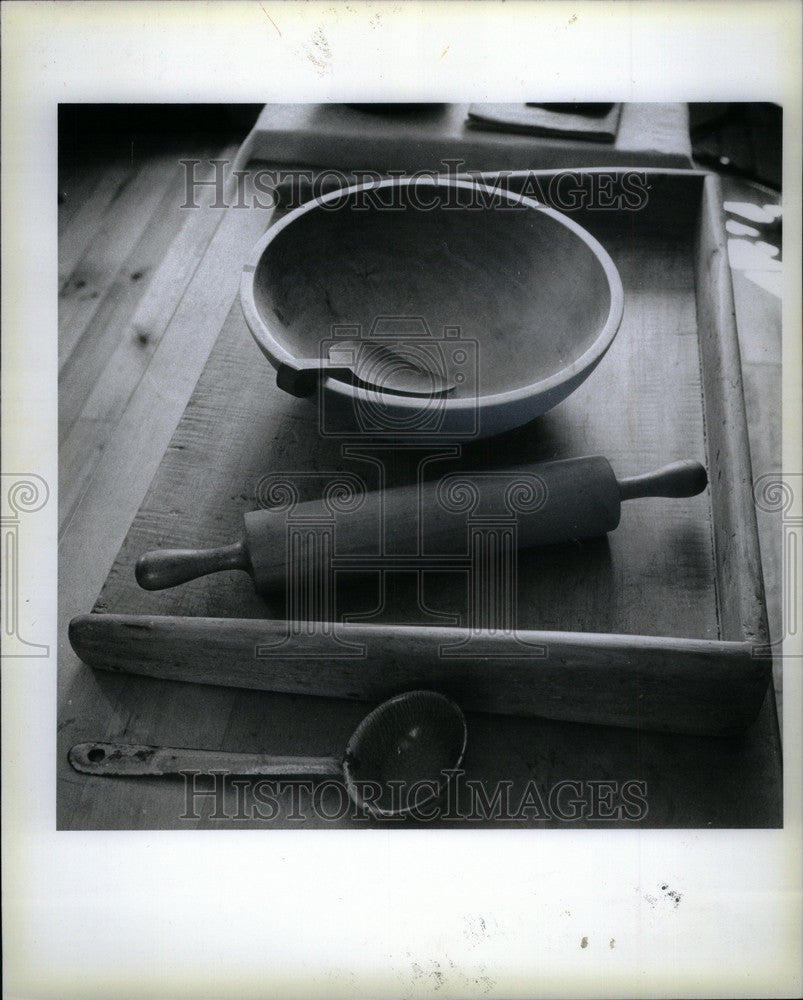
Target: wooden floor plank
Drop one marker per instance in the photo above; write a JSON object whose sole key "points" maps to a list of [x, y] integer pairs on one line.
{"points": [[130, 283], [90, 542], [124, 220], [76, 184], [153, 270], [111, 357], [88, 215], [138, 340]]}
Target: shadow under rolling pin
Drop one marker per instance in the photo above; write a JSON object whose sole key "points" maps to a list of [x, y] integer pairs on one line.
{"points": [[575, 499]]}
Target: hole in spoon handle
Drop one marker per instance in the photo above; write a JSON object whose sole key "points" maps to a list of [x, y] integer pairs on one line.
{"points": [[680, 479]]}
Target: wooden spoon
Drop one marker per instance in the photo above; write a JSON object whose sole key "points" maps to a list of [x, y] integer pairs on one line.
{"points": [[368, 363], [394, 762]]}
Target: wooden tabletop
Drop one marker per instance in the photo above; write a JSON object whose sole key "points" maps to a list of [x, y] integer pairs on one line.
{"points": [[147, 295]]}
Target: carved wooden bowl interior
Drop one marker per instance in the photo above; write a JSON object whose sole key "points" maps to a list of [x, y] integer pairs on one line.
{"points": [[536, 298]]}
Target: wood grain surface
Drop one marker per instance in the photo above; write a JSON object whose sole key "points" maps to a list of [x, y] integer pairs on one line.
{"points": [[649, 683], [658, 566], [336, 135], [129, 286], [656, 574]]}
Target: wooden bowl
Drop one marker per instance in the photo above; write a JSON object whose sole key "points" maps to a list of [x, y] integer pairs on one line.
{"points": [[517, 301]]}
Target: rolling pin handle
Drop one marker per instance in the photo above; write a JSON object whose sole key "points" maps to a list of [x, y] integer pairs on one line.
{"points": [[680, 479], [168, 567]]}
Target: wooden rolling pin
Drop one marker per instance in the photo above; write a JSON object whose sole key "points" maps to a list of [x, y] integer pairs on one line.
{"points": [[551, 502], [649, 682]]}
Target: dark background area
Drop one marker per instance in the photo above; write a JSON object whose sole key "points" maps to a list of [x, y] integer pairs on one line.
{"points": [[89, 131], [739, 139], [743, 139]]}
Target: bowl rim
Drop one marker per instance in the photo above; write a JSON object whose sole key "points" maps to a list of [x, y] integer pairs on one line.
{"points": [[278, 355]]}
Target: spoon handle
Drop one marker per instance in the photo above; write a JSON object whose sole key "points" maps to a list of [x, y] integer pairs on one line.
{"points": [[370, 364], [133, 759], [302, 377]]}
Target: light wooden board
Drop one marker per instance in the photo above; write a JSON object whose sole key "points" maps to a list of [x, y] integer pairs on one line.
{"points": [[118, 298], [758, 316], [336, 135], [88, 195], [657, 569], [239, 426], [125, 218], [78, 182], [656, 684], [204, 291], [117, 348]]}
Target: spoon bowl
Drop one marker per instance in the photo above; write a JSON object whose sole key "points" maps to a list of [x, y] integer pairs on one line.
{"points": [[402, 751]]}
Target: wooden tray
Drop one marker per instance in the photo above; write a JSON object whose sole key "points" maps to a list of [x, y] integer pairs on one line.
{"points": [[669, 388], [423, 137]]}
